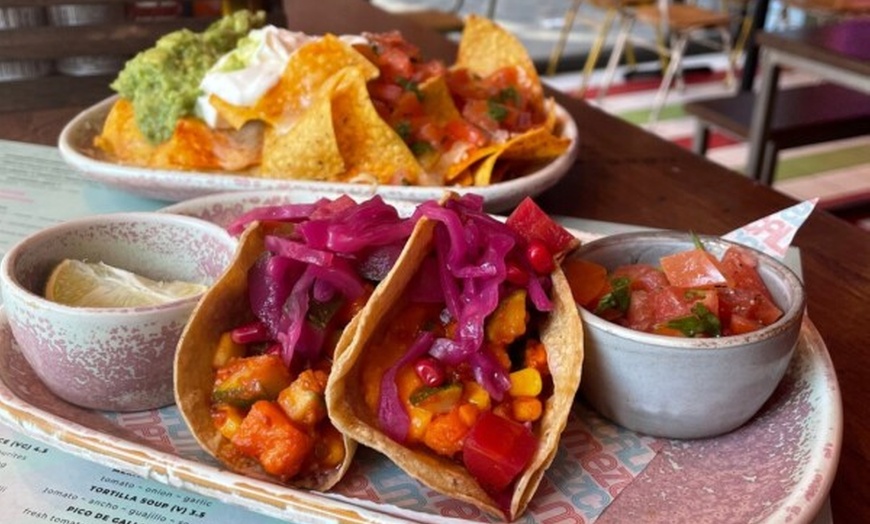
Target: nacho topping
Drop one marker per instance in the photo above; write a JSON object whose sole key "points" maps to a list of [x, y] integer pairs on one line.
{"points": [[163, 82], [357, 108]]}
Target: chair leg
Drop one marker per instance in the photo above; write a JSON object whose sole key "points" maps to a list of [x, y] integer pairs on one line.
{"points": [[615, 54], [595, 50], [702, 138], [490, 8], [768, 163], [674, 65], [559, 48], [730, 73]]}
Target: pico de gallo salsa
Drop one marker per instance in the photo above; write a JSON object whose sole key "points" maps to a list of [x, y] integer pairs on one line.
{"points": [[690, 293], [488, 110]]}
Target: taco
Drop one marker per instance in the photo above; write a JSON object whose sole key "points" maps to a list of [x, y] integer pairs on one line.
{"points": [[253, 361], [464, 363]]}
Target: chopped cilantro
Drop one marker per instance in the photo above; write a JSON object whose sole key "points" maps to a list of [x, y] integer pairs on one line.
{"points": [[410, 85], [403, 129], [508, 94], [421, 147], [702, 322], [619, 297]]}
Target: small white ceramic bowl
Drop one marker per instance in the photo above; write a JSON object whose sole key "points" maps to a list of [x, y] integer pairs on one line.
{"points": [[116, 359], [684, 387]]}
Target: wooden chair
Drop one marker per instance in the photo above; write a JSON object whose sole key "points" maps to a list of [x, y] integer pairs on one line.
{"points": [[675, 25], [116, 37], [613, 10]]}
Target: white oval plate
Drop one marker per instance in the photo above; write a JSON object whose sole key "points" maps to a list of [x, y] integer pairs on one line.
{"points": [[76, 148]]}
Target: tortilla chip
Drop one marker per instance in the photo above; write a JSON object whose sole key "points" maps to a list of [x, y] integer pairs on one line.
{"points": [[121, 138], [368, 144], [306, 72], [341, 137], [196, 146], [308, 151], [223, 307], [537, 144], [485, 47], [193, 145], [562, 334], [437, 101]]}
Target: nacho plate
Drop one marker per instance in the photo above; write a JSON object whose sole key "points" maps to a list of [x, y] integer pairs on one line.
{"points": [[76, 139]]}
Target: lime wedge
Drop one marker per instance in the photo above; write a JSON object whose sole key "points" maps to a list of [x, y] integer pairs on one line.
{"points": [[95, 284]]}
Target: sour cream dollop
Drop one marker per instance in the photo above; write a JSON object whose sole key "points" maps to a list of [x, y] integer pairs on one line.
{"points": [[249, 71], [245, 74]]}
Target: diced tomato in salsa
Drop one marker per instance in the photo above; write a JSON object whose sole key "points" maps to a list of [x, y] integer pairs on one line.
{"points": [[694, 294]]}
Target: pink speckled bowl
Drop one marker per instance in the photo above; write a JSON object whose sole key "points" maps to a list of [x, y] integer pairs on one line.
{"points": [[117, 359]]}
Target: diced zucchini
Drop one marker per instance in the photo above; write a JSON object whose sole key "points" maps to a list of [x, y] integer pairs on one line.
{"points": [[439, 399], [244, 381]]}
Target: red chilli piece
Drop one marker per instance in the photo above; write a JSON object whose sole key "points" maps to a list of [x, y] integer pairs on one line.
{"points": [[430, 371], [516, 275], [251, 333]]}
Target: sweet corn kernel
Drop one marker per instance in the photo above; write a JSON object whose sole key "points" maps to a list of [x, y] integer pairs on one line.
{"points": [[526, 383], [527, 409], [420, 419], [475, 394]]}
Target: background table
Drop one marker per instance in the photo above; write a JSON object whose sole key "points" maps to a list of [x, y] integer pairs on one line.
{"points": [[838, 52]]}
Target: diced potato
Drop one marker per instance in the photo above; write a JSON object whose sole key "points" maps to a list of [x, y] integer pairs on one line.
{"points": [[227, 350], [445, 433], [329, 448], [303, 400], [527, 409], [244, 381], [227, 419], [509, 319], [420, 418]]}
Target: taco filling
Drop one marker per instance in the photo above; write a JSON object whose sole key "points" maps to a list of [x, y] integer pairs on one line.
{"points": [[253, 363], [467, 358]]}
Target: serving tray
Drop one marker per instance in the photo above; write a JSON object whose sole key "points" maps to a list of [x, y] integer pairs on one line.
{"points": [[776, 468]]}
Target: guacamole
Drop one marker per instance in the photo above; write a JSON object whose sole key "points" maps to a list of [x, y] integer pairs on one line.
{"points": [[163, 82]]}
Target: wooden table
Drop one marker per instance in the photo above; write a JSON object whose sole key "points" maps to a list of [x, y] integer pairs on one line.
{"points": [[623, 174], [839, 53]]}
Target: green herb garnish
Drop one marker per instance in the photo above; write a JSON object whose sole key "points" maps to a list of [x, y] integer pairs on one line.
{"points": [[701, 323], [410, 85], [619, 297], [403, 129], [496, 110]]}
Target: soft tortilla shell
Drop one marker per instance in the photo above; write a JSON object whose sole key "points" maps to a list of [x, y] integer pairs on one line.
{"points": [[224, 306], [562, 334]]}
